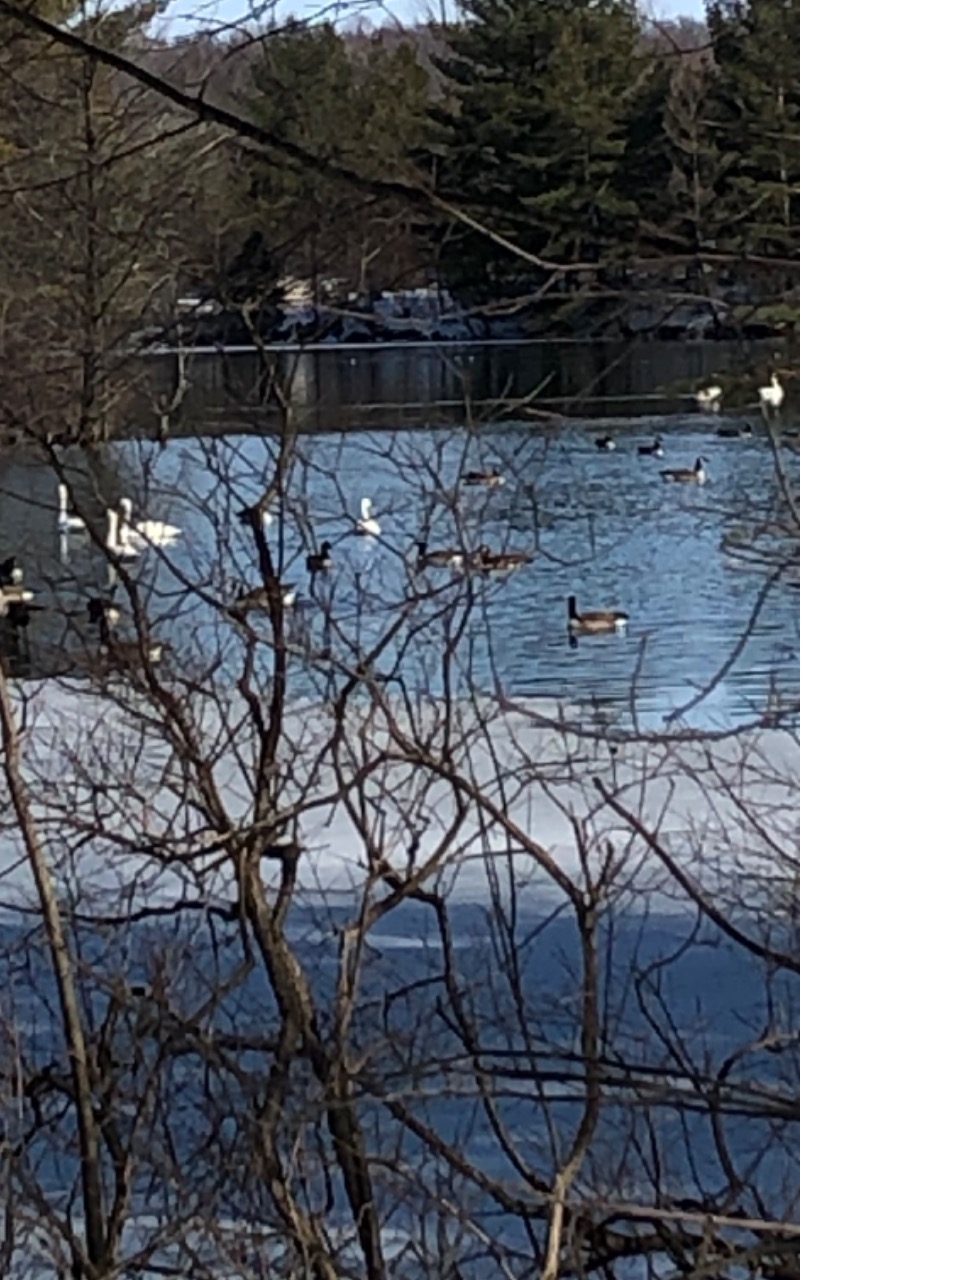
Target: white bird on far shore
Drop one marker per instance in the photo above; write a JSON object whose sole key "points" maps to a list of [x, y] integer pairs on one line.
{"points": [[772, 396], [710, 397]]}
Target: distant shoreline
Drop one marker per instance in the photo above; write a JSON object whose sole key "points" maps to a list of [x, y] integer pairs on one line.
{"points": [[229, 349]]}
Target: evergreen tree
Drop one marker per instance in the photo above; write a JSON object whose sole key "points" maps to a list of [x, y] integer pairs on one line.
{"points": [[361, 108], [697, 162], [251, 277], [647, 166], [755, 113], [531, 139]]}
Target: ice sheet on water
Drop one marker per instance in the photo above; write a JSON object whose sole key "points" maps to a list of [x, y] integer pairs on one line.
{"points": [[537, 766], [227, 1248]]}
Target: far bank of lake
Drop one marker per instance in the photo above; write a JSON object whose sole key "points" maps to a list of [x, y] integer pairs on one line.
{"points": [[339, 387]]}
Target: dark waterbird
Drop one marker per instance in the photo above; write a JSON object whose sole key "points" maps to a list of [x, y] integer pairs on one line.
{"points": [[735, 431], [595, 621], [488, 561], [103, 609], [447, 558], [17, 612], [653, 449], [320, 561], [697, 474], [11, 575], [491, 479]]}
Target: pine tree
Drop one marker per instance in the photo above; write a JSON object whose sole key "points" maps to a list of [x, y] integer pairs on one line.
{"points": [[647, 167], [360, 108], [698, 165], [531, 139], [755, 114]]}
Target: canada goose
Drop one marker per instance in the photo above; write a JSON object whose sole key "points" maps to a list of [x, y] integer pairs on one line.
{"points": [[596, 621], [102, 609], [12, 596], [67, 521], [735, 431], [118, 540], [709, 397], [697, 474], [652, 450], [367, 525], [320, 561], [17, 613], [259, 598], [605, 442], [11, 575], [153, 533], [772, 396], [128, 653], [488, 561], [252, 516], [447, 558], [492, 479]]}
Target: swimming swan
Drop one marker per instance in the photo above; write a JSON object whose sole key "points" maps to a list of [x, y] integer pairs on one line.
{"points": [[366, 524], [68, 521], [153, 533], [118, 540]]}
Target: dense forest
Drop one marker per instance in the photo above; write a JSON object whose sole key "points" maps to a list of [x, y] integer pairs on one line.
{"points": [[566, 164]]}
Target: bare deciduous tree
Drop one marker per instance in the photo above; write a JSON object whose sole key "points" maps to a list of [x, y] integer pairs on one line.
{"points": [[327, 955]]}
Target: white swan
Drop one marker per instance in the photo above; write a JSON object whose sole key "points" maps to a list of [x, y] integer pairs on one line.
{"points": [[366, 524], [68, 521], [153, 533], [118, 540], [710, 397], [772, 396]]}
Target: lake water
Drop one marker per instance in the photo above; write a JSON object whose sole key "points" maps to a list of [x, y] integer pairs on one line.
{"points": [[666, 981], [601, 525], [386, 385]]}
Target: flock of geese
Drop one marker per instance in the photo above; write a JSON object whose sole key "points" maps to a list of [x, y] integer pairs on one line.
{"points": [[128, 538]]}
